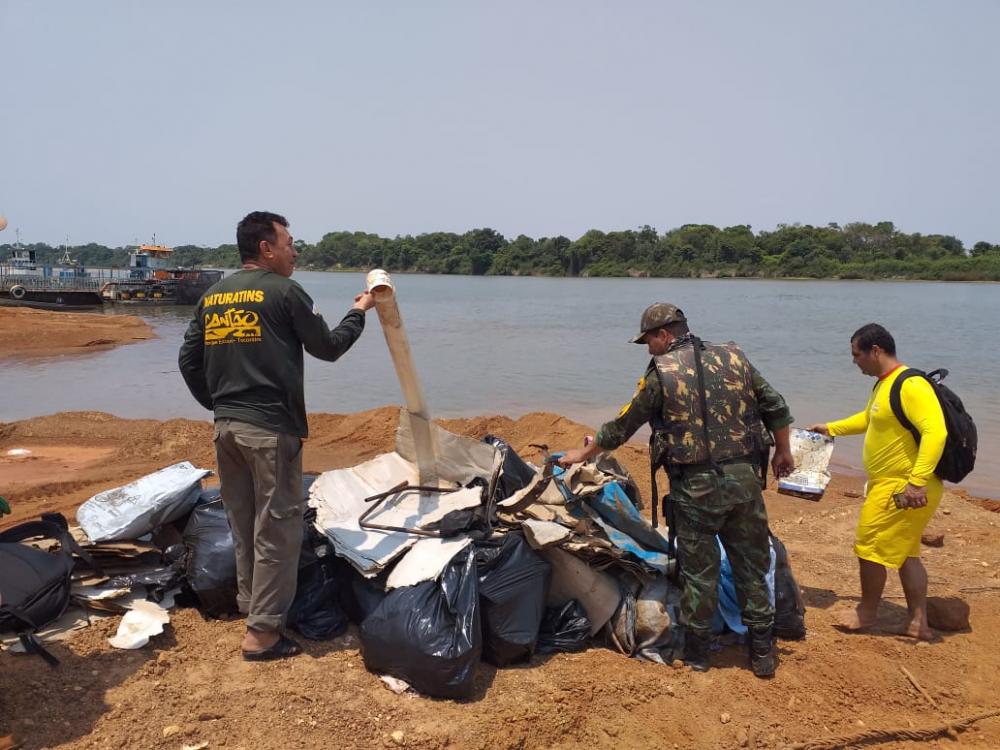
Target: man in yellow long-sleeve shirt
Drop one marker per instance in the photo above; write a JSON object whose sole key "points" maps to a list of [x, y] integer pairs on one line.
{"points": [[903, 491]]}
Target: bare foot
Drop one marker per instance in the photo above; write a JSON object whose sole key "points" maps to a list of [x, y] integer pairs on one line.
{"points": [[853, 620], [920, 631]]}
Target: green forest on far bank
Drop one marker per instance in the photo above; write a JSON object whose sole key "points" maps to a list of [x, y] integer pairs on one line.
{"points": [[852, 251]]}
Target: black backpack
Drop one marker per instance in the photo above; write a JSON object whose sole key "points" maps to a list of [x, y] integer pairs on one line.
{"points": [[35, 584], [959, 456]]}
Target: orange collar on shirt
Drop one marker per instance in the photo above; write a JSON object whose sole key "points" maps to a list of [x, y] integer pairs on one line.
{"points": [[883, 377]]}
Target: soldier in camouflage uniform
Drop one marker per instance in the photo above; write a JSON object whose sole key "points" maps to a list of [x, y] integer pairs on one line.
{"points": [[715, 489]]}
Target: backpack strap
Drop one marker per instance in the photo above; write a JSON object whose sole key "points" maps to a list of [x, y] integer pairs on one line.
{"points": [[896, 400], [51, 526], [656, 425], [32, 645], [704, 404]]}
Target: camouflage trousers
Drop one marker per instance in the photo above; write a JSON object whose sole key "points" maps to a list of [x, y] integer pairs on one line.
{"points": [[706, 505]]}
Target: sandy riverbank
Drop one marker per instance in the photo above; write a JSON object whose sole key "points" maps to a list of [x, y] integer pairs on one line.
{"points": [[191, 676], [25, 332]]}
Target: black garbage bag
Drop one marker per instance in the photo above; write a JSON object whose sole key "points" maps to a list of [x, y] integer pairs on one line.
{"points": [[513, 582], [789, 610], [211, 560], [316, 612], [210, 565], [565, 628], [515, 474], [429, 634], [157, 582]]}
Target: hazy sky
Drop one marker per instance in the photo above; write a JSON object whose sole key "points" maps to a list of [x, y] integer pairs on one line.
{"points": [[123, 119]]}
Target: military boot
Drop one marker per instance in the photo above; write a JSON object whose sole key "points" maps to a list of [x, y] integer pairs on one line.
{"points": [[763, 654], [696, 651]]}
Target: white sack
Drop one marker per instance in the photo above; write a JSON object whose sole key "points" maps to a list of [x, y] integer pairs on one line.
{"points": [[133, 510]]}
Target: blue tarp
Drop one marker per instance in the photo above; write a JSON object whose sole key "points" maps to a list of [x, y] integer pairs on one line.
{"points": [[614, 512], [728, 612]]}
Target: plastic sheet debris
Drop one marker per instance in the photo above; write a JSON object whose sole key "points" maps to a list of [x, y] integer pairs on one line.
{"points": [[139, 624], [515, 474], [563, 629], [430, 634], [643, 624], [597, 591], [812, 453], [18, 453], [789, 609], [137, 508], [513, 581], [657, 610]]}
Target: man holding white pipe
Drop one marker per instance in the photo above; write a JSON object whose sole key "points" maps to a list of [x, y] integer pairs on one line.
{"points": [[242, 358]]}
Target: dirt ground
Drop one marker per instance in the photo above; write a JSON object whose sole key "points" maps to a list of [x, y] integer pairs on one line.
{"points": [[189, 686], [25, 332]]}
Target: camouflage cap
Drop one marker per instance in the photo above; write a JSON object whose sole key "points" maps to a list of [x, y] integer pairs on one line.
{"points": [[656, 316]]}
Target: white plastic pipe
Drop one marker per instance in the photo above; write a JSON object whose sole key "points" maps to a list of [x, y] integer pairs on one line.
{"points": [[380, 284]]}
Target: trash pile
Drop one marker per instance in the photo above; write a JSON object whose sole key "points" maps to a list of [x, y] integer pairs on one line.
{"points": [[500, 561]]}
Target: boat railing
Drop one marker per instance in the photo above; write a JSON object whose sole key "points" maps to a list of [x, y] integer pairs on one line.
{"points": [[49, 282]]}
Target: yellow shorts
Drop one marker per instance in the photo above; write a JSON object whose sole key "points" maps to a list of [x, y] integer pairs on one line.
{"points": [[886, 534]]}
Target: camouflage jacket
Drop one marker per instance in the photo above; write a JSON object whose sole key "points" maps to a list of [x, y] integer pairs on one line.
{"points": [[742, 406]]}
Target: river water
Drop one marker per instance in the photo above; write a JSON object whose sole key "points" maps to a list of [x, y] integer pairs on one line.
{"points": [[486, 345]]}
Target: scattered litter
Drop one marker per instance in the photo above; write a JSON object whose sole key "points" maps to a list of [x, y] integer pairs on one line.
{"points": [[395, 684], [200, 746], [139, 624], [18, 452]]}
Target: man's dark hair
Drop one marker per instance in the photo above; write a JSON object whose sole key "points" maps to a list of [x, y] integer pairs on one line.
{"points": [[678, 329], [254, 227], [873, 334]]}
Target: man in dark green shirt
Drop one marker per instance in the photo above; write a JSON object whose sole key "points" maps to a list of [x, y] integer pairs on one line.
{"points": [[242, 358], [713, 418]]}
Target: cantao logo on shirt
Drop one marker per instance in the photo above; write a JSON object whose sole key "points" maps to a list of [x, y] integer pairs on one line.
{"points": [[234, 326]]}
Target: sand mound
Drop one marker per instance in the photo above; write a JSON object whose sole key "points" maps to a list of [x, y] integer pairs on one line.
{"points": [[25, 332], [189, 685]]}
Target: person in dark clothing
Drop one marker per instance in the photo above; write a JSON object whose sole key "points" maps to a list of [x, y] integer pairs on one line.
{"points": [[242, 359], [714, 418]]}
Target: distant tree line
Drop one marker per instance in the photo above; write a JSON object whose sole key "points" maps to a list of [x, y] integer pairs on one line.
{"points": [[852, 251]]}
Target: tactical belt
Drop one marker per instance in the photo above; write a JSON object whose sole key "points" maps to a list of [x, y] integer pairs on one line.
{"points": [[684, 469]]}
